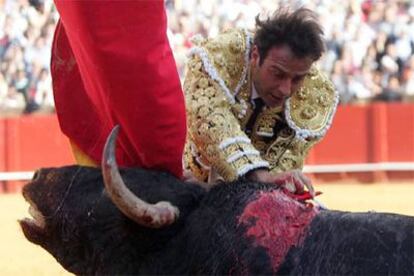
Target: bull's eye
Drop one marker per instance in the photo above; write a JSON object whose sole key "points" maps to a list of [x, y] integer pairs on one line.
{"points": [[36, 175]]}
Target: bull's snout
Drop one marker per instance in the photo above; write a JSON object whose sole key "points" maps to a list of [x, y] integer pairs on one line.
{"points": [[33, 228]]}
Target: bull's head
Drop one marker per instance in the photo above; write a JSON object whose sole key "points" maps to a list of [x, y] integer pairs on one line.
{"points": [[73, 211]]}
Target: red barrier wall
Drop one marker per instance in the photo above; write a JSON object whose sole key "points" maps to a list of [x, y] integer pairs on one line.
{"points": [[372, 133], [359, 134], [31, 142], [368, 134], [347, 140]]}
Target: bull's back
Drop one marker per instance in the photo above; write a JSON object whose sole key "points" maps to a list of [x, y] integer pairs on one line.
{"points": [[342, 243]]}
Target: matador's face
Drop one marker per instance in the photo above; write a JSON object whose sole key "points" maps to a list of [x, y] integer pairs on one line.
{"points": [[279, 75]]}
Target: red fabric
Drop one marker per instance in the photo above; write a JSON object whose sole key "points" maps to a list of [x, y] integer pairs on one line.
{"points": [[112, 64]]}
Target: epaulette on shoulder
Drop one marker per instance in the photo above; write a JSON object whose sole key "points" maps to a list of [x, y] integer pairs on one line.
{"points": [[311, 109]]}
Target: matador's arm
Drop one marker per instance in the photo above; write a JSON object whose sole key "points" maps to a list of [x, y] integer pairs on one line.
{"points": [[213, 129]]}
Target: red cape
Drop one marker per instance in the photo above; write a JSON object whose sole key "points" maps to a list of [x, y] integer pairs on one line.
{"points": [[112, 64]]}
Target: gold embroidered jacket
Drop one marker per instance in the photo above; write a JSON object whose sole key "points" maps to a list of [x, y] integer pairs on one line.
{"points": [[218, 100]]}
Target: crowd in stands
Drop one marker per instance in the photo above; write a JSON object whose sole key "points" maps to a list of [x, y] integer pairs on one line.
{"points": [[26, 34], [370, 44]]}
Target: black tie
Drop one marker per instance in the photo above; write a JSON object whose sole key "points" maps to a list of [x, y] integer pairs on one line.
{"points": [[258, 106]]}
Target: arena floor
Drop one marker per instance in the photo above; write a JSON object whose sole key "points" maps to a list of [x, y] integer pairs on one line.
{"points": [[19, 257]]}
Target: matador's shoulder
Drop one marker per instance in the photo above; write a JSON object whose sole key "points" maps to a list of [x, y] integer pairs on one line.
{"points": [[225, 57], [310, 110]]}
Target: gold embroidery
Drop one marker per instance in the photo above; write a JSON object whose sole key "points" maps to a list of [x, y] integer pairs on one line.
{"points": [[213, 120], [312, 105]]}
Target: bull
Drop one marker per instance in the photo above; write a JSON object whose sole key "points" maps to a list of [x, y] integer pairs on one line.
{"points": [[137, 221]]}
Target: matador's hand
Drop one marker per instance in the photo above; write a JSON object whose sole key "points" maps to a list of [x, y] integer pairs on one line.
{"points": [[293, 181]]}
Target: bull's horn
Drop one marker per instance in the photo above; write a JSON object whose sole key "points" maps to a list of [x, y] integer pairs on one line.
{"points": [[149, 215]]}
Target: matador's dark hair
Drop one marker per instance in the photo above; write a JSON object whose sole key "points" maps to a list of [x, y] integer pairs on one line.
{"points": [[298, 29]]}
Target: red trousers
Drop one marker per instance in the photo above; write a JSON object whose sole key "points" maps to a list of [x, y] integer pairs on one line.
{"points": [[112, 64]]}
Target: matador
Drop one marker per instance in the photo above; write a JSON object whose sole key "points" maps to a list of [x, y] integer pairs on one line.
{"points": [[220, 103]]}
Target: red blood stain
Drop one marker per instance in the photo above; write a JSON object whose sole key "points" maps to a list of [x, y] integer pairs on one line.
{"points": [[277, 222]]}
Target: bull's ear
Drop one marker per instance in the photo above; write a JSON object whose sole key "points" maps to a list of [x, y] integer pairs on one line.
{"points": [[156, 215]]}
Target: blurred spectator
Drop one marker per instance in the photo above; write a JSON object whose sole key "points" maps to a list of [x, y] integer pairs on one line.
{"points": [[26, 31], [370, 43], [44, 96], [10, 100], [340, 80], [392, 92], [408, 79], [3, 88]]}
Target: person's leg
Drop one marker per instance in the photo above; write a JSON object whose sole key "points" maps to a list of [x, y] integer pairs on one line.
{"points": [[121, 70]]}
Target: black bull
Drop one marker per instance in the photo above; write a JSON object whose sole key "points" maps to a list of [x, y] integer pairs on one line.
{"points": [[87, 234], [235, 228]]}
